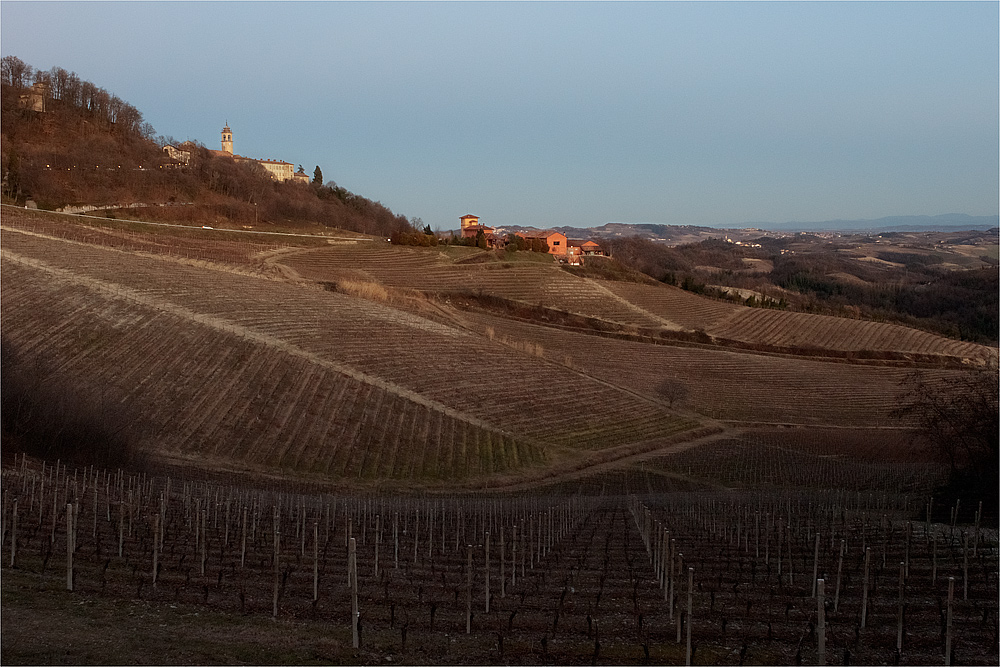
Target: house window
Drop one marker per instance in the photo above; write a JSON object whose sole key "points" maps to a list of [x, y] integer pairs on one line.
{"points": [[555, 243]]}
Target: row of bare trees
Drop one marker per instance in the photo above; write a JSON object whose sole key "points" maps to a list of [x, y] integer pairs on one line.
{"points": [[72, 92]]}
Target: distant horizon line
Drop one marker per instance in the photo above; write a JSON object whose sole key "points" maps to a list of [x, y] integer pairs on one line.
{"points": [[943, 219]]}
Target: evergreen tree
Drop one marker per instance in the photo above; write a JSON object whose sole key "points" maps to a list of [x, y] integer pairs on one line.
{"points": [[318, 176]]}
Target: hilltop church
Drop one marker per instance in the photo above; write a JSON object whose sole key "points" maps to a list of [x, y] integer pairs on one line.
{"points": [[278, 169]]}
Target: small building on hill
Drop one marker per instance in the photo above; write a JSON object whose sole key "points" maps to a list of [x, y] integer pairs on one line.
{"points": [[580, 247], [470, 229], [555, 240], [469, 220], [35, 97], [178, 154]]}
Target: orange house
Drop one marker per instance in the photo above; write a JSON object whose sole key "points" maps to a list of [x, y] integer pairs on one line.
{"points": [[578, 247], [558, 244], [470, 229]]}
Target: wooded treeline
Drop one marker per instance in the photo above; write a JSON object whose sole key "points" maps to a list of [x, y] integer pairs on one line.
{"points": [[914, 289], [89, 146], [66, 90]]}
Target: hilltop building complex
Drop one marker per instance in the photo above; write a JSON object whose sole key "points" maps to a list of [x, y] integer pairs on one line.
{"points": [[565, 250], [279, 170]]}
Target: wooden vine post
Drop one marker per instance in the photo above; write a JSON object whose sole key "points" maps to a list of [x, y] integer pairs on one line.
{"points": [[347, 543], [69, 546], [503, 573], [378, 540], [864, 590], [513, 555], [680, 612], [934, 561], [156, 543], [277, 565], [840, 569], [204, 541], [486, 570], [899, 612], [815, 565], [315, 561], [13, 535], [243, 539], [121, 528], [965, 566], [947, 635], [352, 558], [821, 622], [687, 652], [468, 593]]}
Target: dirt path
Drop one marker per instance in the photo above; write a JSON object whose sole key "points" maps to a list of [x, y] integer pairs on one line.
{"points": [[272, 260], [583, 469]]}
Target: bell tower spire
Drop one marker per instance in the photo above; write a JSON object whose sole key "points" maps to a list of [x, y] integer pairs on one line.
{"points": [[227, 139]]}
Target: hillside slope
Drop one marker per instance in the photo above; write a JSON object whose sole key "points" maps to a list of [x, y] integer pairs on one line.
{"points": [[633, 305], [231, 356], [85, 146], [230, 370]]}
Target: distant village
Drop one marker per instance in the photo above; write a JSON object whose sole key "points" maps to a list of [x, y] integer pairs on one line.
{"points": [[566, 250]]}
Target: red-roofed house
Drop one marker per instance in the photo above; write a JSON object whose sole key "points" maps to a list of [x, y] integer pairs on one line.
{"points": [[556, 240], [579, 247], [471, 227]]}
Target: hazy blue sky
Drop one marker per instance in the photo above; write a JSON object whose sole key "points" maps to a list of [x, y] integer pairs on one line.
{"points": [[568, 113]]}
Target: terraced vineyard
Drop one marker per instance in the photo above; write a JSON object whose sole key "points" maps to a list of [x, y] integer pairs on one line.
{"points": [[271, 374], [631, 304], [851, 460], [728, 385], [802, 330], [238, 370], [686, 309], [433, 271]]}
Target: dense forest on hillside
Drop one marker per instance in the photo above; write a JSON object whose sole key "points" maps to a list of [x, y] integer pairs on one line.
{"points": [[89, 147], [911, 288]]}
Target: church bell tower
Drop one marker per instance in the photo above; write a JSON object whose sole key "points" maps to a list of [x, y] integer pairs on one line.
{"points": [[227, 140]]}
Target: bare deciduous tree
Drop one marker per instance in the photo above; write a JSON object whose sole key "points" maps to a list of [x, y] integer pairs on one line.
{"points": [[960, 417], [672, 391]]}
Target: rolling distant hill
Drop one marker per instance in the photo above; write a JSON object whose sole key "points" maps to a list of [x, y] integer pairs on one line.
{"points": [[895, 223], [680, 234]]}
